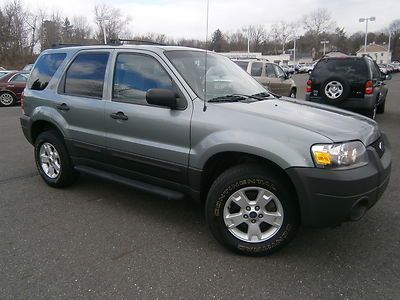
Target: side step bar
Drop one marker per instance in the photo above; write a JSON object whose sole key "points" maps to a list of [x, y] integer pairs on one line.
{"points": [[146, 187]]}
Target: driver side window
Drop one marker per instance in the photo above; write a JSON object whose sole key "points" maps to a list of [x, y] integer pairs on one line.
{"points": [[279, 72], [135, 74]]}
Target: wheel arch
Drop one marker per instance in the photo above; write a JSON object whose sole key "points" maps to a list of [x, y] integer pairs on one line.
{"points": [[39, 126]]}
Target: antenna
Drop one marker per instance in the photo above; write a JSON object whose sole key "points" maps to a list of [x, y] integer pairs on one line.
{"points": [[205, 62]]}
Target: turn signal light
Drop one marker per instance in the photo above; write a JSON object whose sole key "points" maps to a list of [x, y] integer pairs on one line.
{"points": [[309, 86], [322, 158], [369, 87]]}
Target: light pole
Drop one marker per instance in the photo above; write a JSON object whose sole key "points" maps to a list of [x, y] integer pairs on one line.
{"points": [[324, 43], [102, 21], [294, 50], [247, 30], [366, 29]]}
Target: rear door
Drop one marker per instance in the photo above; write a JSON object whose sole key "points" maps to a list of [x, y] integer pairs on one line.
{"points": [[258, 72], [80, 102], [146, 141]]}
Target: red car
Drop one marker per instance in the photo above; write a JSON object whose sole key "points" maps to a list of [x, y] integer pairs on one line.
{"points": [[11, 87]]}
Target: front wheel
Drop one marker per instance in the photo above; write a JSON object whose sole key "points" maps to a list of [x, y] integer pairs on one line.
{"points": [[52, 160], [252, 211]]}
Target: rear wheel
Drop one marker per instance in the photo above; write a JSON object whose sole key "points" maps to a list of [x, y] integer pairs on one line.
{"points": [[52, 160], [7, 99], [251, 211], [381, 108], [292, 93]]}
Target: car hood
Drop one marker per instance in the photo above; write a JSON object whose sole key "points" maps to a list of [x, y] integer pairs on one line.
{"points": [[335, 124]]}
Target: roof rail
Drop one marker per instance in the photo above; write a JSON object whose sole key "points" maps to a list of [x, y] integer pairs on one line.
{"points": [[134, 42]]}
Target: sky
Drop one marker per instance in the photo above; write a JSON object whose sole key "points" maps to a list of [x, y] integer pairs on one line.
{"points": [[187, 18]]}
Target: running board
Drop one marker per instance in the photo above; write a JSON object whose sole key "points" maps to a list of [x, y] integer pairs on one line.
{"points": [[146, 187]]}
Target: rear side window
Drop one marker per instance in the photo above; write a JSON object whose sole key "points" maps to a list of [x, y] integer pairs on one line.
{"points": [[256, 69], [44, 70], [353, 69], [269, 70], [85, 76], [242, 64]]}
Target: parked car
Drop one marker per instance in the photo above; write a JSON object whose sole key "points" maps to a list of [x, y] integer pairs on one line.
{"points": [[27, 68], [141, 116], [288, 69], [270, 75], [349, 82], [383, 69], [11, 87], [396, 67], [307, 68], [4, 72], [2, 69]]}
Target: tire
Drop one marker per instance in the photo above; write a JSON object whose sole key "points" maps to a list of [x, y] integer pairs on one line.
{"points": [[50, 151], [7, 99], [292, 93], [381, 108], [252, 180], [371, 113], [334, 97]]}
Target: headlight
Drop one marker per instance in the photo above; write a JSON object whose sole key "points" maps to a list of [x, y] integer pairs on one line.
{"points": [[343, 155]]}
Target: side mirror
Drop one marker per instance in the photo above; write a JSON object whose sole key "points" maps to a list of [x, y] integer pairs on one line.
{"points": [[288, 75], [162, 97], [388, 77]]}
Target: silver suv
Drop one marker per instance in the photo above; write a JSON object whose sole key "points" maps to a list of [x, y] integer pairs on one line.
{"points": [[171, 122]]}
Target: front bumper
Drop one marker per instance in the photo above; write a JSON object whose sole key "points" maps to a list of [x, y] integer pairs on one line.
{"points": [[330, 197]]}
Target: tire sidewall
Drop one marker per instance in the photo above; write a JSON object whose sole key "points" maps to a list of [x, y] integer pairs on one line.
{"points": [[342, 97], [219, 195]]}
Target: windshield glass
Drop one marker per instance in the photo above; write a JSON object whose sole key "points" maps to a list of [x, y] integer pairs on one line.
{"points": [[223, 76]]}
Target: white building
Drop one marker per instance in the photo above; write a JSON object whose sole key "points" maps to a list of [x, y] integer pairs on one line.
{"points": [[379, 53], [281, 59]]}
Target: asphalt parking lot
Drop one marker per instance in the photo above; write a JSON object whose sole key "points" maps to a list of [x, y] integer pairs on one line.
{"points": [[98, 239]]}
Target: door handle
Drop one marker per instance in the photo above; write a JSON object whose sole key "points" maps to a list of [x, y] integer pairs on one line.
{"points": [[119, 116], [10, 85], [63, 106]]}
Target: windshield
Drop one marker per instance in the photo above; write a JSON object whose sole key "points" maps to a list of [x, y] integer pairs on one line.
{"points": [[223, 76]]}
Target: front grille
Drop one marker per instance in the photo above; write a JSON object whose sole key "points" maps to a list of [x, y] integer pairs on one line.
{"points": [[379, 146]]}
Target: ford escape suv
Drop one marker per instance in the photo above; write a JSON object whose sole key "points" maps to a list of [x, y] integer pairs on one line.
{"points": [[353, 83], [171, 122]]}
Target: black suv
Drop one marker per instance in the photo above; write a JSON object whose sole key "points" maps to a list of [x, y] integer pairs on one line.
{"points": [[354, 83]]}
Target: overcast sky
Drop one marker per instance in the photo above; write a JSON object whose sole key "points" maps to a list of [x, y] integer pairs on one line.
{"points": [[187, 18]]}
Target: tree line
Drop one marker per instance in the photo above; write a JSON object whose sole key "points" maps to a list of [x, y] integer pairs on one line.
{"points": [[24, 33]]}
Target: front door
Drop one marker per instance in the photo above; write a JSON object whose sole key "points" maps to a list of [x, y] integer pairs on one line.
{"points": [[146, 140]]}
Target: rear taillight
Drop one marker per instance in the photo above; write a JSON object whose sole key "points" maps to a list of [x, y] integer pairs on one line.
{"points": [[22, 102], [309, 86], [369, 87]]}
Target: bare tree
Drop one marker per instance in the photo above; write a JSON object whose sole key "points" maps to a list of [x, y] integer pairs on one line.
{"points": [[257, 35], [318, 21], [282, 32]]}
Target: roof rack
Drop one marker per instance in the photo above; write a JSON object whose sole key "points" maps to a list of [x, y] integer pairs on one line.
{"points": [[133, 42], [61, 45]]}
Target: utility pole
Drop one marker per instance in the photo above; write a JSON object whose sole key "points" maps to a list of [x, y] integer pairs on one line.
{"points": [[324, 43], [102, 22], [389, 56], [294, 50], [366, 29]]}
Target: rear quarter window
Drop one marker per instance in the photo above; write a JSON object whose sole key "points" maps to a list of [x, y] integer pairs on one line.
{"points": [[351, 69], [44, 70], [242, 64]]}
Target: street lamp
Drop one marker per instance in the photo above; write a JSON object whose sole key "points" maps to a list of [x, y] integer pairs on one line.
{"points": [[247, 30], [324, 43], [102, 22], [366, 29], [294, 49]]}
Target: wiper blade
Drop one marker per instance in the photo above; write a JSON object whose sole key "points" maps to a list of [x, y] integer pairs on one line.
{"points": [[227, 98], [264, 94]]}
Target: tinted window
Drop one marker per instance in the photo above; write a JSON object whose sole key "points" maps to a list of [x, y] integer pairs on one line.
{"points": [[256, 69], [85, 76], [135, 74], [19, 78], [354, 68], [269, 70], [44, 70], [242, 64], [376, 72]]}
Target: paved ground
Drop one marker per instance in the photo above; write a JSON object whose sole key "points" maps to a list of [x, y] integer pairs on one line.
{"points": [[102, 240]]}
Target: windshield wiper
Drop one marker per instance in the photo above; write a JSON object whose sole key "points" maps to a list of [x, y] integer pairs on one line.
{"points": [[228, 98], [264, 94]]}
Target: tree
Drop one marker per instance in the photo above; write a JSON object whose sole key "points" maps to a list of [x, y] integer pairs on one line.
{"points": [[257, 35], [394, 28], [282, 32], [218, 41]]}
